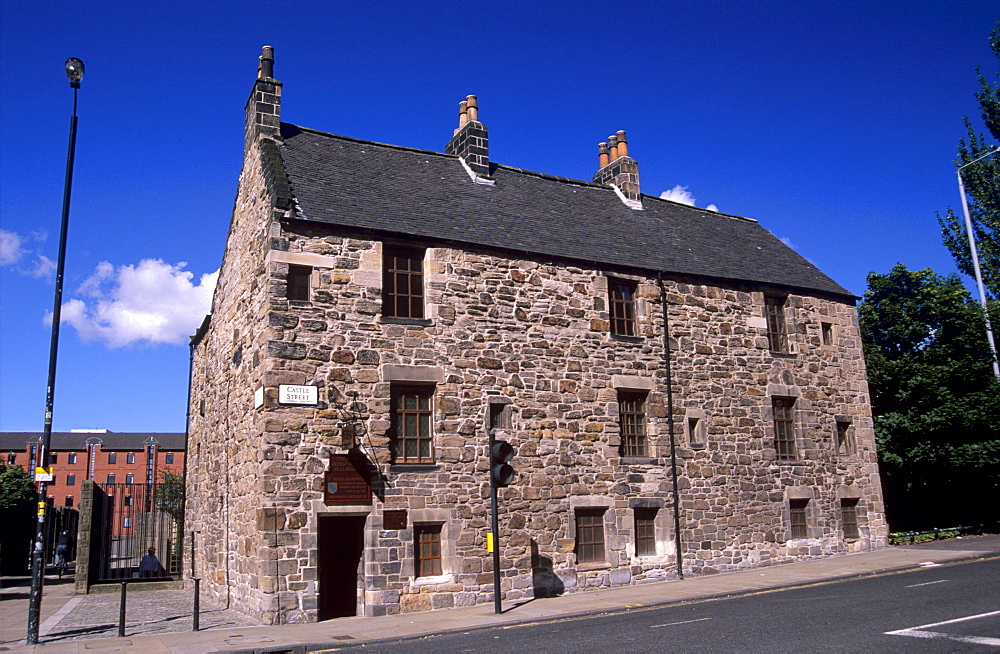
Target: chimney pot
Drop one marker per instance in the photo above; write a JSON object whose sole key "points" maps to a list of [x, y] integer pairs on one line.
{"points": [[463, 114], [473, 106], [613, 147], [266, 66], [602, 155], [622, 144]]}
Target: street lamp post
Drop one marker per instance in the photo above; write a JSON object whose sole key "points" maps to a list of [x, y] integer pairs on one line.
{"points": [[975, 261], [74, 71]]}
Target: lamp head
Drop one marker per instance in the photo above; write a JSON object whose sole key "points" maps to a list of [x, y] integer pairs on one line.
{"points": [[74, 71]]}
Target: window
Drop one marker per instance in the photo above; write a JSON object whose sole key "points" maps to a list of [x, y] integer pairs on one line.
{"points": [[298, 283], [112, 458], [130, 457], [111, 479], [589, 535], [427, 550], [71, 480], [500, 415], [11, 458], [845, 437], [784, 427], [130, 478], [645, 535], [797, 517], [72, 457], [632, 420], [696, 432], [127, 522], [169, 457], [127, 501], [774, 311], [69, 501], [849, 517], [54, 457], [411, 424], [402, 282], [826, 331], [622, 300]]}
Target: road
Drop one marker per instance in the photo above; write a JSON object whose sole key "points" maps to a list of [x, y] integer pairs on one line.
{"points": [[899, 612]]}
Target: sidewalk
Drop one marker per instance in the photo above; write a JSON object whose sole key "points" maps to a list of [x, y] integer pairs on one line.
{"points": [[160, 621]]}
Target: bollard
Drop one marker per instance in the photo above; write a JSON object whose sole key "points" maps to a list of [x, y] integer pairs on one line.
{"points": [[121, 611], [197, 583]]}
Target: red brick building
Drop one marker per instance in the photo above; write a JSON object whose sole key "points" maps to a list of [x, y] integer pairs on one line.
{"points": [[104, 456]]}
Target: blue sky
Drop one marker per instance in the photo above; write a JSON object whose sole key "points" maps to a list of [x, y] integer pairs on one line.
{"points": [[832, 123]]}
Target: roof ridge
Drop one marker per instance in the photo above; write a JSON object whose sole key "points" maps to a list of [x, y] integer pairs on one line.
{"points": [[370, 142]]}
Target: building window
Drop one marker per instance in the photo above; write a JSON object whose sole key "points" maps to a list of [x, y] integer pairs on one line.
{"points": [[169, 457], [427, 547], [797, 518], [54, 457], [72, 457], [845, 437], [130, 478], [127, 501], [784, 427], [130, 457], [500, 415], [632, 420], [71, 480], [774, 311], [298, 283], [622, 300], [69, 501], [111, 479], [849, 517], [645, 534], [112, 458], [402, 282], [411, 424], [697, 436], [826, 331], [127, 522], [589, 535], [11, 458]]}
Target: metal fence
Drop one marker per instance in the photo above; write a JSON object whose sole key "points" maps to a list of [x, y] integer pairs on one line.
{"points": [[132, 519]]}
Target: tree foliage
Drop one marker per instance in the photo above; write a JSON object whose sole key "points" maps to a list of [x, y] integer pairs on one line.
{"points": [[935, 399], [982, 183], [170, 494], [16, 487]]}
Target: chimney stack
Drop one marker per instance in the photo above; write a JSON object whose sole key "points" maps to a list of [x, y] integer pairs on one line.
{"points": [[263, 108], [619, 170], [471, 141]]}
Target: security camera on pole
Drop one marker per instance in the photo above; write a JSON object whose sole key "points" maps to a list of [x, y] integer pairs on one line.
{"points": [[501, 474]]}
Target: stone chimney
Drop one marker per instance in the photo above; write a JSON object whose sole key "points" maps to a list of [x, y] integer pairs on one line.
{"points": [[618, 170], [471, 142], [264, 104]]}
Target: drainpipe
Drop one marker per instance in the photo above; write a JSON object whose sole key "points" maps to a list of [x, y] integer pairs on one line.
{"points": [[670, 426]]}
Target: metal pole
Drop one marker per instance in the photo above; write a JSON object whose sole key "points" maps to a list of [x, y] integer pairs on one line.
{"points": [[497, 608], [121, 610], [975, 262], [197, 607], [670, 427], [38, 554]]}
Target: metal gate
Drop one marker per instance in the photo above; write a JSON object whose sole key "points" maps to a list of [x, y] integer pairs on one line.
{"points": [[133, 519]]}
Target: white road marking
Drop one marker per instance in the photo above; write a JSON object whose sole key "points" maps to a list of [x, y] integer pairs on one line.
{"points": [[919, 632], [930, 564], [671, 624], [56, 618], [929, 583]]}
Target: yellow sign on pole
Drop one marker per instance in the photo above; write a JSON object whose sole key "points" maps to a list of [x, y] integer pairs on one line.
{"points": [[41, 474], [489, 542]]}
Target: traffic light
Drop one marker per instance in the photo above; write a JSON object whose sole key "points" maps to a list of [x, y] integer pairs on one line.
{"points": [[501, 472]]}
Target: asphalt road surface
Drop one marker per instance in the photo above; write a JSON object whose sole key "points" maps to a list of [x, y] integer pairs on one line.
{"points": [[944, 608]]}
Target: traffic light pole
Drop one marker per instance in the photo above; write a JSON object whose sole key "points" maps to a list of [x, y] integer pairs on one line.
{"points": [[497, 608]]}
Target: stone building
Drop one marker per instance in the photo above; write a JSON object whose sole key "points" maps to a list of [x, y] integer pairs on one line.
{"points": [[382, 309]]}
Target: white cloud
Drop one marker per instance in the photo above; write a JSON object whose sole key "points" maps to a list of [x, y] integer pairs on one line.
{"points": [[683, 195], [10, 248], [787, 241], [151, 302], [43, 267]]}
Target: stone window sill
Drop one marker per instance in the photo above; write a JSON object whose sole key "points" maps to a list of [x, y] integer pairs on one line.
{"points": [[414, 467], [784, 355], [639, 460], [593, 565], [627, 339], [429, 581], [786, 462], [392, 320]]}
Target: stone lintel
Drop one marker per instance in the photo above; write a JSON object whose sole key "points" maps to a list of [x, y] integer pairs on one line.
{"points": [[404, 373]]}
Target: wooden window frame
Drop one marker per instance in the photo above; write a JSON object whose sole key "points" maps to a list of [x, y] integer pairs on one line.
{"points": [[621, 305], [419, 415], [777, 332], [297, 283], [403, 282], [798, 518], [427, 550], [645, 531], [849, 518], [783, 409], [632, 423], [590, 535]]}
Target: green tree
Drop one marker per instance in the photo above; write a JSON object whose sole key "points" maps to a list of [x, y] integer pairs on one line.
{"points": [[935, 399], [170, 494], [982, 182], [16, 487], [17, 515]]}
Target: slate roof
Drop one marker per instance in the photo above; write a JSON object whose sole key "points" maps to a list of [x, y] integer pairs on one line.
{"points": [[110, 441], [395, 190]]}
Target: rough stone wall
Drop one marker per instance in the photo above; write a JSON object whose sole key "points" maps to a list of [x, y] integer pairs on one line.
{"points": [[537, 334]]}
